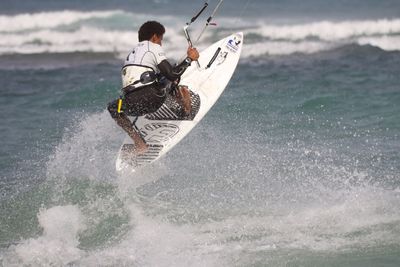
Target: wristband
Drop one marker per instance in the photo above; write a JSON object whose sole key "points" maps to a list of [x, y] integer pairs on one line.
{"points": [[188, 60]]}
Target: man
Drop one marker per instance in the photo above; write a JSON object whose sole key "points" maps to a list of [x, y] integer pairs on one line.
{"points": [[142, 92]]}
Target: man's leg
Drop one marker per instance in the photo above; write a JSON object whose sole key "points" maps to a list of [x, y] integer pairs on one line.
{"points": [[124, 122], [184, 98]]}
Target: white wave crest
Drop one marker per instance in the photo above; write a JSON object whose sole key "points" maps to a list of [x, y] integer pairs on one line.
{"points": [[388, 43], [41, 33], [284, 48], [23, 22], [58, 246], [86, 39], [331, 31], [321, 36]]}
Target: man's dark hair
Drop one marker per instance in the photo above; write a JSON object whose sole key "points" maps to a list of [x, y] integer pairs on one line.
{"points": [[149, 28]]}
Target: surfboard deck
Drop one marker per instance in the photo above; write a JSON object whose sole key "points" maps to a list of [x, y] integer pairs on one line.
{"points": [[166, 127]]}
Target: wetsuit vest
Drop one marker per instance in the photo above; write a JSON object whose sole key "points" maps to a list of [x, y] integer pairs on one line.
{"points": [[145, 57], [143, 97]]}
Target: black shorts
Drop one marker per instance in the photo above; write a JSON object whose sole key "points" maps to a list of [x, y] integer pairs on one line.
{"points": [[141, 101]]}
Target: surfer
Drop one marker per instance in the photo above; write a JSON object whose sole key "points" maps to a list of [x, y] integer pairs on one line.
{"points": [[147, 78]]}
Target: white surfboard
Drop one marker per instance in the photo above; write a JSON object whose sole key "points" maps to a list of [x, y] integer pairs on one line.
{"points": [[166, 127]]}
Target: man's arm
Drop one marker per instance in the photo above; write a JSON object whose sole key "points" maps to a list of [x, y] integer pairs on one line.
{"points": [[174, 73]]}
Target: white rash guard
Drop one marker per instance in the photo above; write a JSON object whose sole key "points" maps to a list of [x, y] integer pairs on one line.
{"points": [[146, 56]]}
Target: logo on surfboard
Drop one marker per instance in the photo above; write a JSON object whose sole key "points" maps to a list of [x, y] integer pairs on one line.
{"points": [[158, 132], [234, 43]]}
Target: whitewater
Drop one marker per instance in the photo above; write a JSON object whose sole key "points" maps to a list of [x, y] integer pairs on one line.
{"points": [[297, 164], [114, 31]]}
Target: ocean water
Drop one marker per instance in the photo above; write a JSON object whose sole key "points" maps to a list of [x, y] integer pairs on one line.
{"points": [[297, 164]]}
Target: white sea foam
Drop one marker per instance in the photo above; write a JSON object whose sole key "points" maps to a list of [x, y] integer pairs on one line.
{"points": [[57, 246], [388, 43], [346, 219], [154, 242], [88, 150], [41, 33], [363, 219], [321, 36], [284, 48], [85, 39], [319, 227], [48, 20], [330, 31]]}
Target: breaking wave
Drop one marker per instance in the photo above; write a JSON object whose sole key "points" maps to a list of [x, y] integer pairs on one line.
{"points": [[115, 31]]}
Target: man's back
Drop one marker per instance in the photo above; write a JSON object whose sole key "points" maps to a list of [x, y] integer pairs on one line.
{"points": [[147, 54]]}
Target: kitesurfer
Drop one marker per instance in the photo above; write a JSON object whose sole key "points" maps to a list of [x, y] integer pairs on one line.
{"points": [[147, 78]]}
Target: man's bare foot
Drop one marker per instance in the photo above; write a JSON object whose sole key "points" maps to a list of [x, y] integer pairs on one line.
{"points": [[141, 148], [133, 149]]}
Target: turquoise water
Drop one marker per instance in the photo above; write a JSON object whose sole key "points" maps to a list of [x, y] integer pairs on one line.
{"points": [[297, 164]]}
